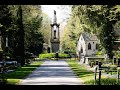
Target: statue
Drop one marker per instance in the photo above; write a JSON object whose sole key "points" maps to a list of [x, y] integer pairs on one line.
{"points": [[54, 12]]}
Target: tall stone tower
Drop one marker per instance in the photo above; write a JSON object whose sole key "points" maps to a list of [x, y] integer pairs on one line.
{"points": [[55, 36]]}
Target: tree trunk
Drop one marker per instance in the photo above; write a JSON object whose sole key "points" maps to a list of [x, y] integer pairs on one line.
{"points": [[20, 40]]}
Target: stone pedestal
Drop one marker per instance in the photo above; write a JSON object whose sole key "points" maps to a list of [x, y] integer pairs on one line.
{"points": [[86, 61], [55, 47]]}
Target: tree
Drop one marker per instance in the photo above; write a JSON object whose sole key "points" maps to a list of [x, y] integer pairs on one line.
{"points": [[99, 19], [45, 29], [6, 22], [22, 31]]}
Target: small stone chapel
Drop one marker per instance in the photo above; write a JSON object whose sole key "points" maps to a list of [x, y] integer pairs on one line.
{"points": [[87, 46]]}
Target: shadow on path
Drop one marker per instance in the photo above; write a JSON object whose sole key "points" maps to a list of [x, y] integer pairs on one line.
{"points": [[52, 73]]}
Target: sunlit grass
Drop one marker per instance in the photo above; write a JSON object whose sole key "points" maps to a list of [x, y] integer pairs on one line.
{"points": [[20, 73], [13, 81], [81, 71]]}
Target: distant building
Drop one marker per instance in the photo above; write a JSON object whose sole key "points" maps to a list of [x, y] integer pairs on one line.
{"points": [[87, 46], [117, 42]]}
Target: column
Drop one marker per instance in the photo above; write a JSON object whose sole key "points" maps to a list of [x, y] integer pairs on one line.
{"points": [[0, 42], [6, 41]]}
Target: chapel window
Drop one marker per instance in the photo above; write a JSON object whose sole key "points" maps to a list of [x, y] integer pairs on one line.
{"points": [[89, 46]]}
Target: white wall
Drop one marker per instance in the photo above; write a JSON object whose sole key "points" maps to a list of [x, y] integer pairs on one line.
{"points": [[53, 28], [93, 48], [84, 45], [81, 44]]}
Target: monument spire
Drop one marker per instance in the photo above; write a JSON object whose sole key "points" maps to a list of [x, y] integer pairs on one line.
{"points": [[55, 39], [55, 18]]}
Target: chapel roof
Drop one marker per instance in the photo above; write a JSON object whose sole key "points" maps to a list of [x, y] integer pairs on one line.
{"points": [[117, 32], [89, 37]]}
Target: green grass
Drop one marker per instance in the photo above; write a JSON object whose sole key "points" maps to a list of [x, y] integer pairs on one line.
{"points": [[20, 73], [81, 71], [104, 81]]}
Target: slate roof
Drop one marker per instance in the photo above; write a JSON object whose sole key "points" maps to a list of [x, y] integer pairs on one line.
{"points": [[89, 37], [117, 32]]}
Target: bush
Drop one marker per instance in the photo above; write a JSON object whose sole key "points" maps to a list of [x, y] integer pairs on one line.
{"points": [[52, 55], [92, 64], [47, 55], [110, 68], [63, 55], [94, 60], [104, 81], [99, 53], [118, 68]]}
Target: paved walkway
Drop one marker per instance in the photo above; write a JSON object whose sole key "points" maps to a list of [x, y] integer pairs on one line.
{"points": [[52, 73]]}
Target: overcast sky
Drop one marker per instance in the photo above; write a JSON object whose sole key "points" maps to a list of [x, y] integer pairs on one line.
{"points": [[62, 12]]}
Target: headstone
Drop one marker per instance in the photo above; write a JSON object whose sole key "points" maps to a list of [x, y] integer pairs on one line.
{"points": [[114, 60], [56, 55], [118, 61], [99, 79], [96, 63], [48, 49], [99, 64]]}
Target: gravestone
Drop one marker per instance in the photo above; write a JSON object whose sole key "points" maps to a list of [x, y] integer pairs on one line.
{"points": [[118, 61], [56, 55], [114, 60], [96, 63], [48, 49]]}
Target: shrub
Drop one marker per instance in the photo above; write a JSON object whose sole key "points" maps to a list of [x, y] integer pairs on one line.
{"points": [[52, 55], [94, 60], [92, 64], [99, 53], [47, 55], [63, 55], [118, 68]]}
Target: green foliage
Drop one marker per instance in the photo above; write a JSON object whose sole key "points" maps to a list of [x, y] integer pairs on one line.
{"points": [[32, 25], [52, 55], [104, 81], [118, 68], [97, 19], [92, 61], [6, 21], [92, 64], [117, 53], [63, 55], [99, 53], [45, 29], [47, 55]]}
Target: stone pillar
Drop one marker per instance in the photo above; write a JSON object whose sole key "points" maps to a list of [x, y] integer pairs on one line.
{"points": [[6, 41], [0, 42], [114, 59], [86, 60], [118, 61]]}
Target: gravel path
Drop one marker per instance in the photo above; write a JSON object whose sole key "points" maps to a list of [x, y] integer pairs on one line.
{"points": [[52, 73]]}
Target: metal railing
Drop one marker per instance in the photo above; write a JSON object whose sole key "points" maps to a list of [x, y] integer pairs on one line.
{"points": [[99, 68]]}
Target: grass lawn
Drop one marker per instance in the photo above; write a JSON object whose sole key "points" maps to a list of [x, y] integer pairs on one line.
{"points": [[81, 71], [20, 73]]}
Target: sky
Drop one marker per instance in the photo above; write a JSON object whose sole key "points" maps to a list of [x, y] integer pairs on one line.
{"points": [[62, 12]]}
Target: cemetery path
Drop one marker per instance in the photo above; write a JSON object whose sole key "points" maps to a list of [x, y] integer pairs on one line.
{"points": [[52, 73]]}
